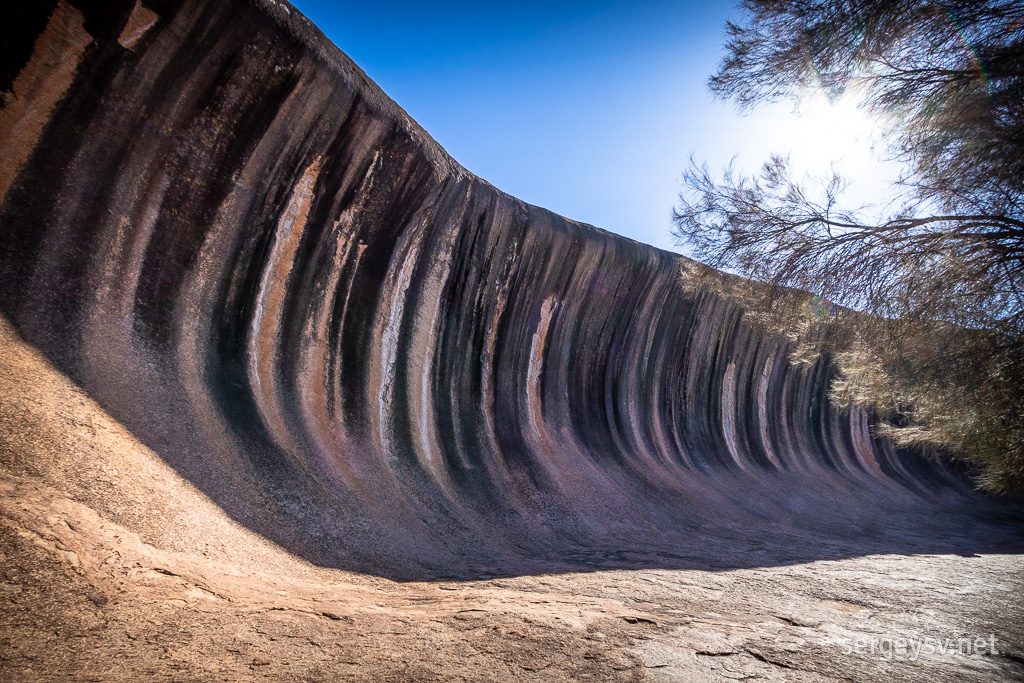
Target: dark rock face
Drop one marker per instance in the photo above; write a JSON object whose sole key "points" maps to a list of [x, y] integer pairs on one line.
{"points": [[259, 264]]}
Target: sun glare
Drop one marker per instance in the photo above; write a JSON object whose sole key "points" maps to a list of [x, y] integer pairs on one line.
{"points": [[822, 136], [840, 133]]}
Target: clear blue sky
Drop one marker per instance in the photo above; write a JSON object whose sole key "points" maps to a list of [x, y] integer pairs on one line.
{"points": [[589, 109]]}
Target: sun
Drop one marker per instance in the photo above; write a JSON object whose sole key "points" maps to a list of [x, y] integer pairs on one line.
{"points": [[843, 136], [823, 134]]}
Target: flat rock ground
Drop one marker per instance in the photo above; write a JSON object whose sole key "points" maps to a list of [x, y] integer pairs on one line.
{"points": [[115, 568]]}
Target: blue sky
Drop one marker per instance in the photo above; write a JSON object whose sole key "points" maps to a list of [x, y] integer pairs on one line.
{"points": [[589, 109]]}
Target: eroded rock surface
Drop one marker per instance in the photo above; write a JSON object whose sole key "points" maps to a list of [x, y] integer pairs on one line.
{"points": [[268, 349]]}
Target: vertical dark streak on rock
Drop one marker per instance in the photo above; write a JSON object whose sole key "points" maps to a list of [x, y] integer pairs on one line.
{"points": [[21, 23]]}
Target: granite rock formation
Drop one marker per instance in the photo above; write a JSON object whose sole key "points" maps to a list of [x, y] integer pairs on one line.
{"points": [[250, 257], [287, 393]]}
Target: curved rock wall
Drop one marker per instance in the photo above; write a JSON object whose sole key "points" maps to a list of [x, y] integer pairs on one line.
{"points": [[224, 232]]}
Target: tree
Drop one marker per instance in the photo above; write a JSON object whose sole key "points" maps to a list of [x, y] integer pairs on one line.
{"points": [[930, 327]]}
